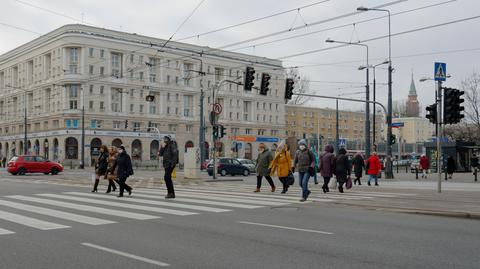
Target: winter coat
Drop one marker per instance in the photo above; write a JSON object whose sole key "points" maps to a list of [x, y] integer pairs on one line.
{"points": [[124, 165], [358, 165], [102, 164], [341, 168], [112, 169], [326, 162], [263, 163], [170, 154], [281, 164], [424, 163], [373, 165], [451, 165], [474, 161], [304, 159]]}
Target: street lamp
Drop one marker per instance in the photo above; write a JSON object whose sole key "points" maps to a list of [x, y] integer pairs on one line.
{"points": [[367, 97], [389, 168]]}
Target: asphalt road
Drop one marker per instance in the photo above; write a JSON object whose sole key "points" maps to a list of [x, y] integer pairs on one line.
{"points": [[272, 231]]}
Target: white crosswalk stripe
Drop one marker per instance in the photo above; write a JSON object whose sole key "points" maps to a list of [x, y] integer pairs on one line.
{"points": [[30, 222], [205, 202], [3, 231]]}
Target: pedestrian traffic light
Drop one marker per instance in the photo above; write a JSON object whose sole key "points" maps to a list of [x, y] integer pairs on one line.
{"points": [[393, 139], [289, 88], [432, 113], [126, 124], [264, 85], [222, 132], [215, 131], [249, 77], [452, 105]]}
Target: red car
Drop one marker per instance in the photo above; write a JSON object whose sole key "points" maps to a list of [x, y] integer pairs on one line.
{"points": [[20, 165]]}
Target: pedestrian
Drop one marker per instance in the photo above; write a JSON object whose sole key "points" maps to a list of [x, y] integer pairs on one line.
{"points": [[424, 164], [111, 174], [326, 161], [101, 166], [341, 168], [358, 167], [123, 164], [282, 165], [450, 166], [169, 152], [316, 165], [373, 168], [474, 164], [262, 167], [304, 164], [4, 161]]}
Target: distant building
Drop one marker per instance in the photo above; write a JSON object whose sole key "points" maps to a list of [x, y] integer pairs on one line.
{"points": [[412, 107], [414, 130]]}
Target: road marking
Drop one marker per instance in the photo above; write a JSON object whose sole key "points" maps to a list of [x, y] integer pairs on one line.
{"points": [[268, 196], [171, 203], [56, 213], [284, 227], [91, 209], [198, 201], [119, 204], [3, 231], [30, 222], [125, 254]]}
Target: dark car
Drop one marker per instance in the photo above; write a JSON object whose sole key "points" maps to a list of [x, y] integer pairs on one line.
{"points": [[20, 165], [228, 166]]}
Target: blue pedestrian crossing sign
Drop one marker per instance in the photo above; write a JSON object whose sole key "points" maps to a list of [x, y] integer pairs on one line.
{"points": [[440, 71]]}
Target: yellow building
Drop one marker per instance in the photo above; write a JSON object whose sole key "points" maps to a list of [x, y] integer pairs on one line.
{"points": [[414, 130]]}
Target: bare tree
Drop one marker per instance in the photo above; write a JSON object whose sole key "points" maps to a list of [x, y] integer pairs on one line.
{"points": [[301, 85], [399, 108], [466, 132], [471, 86]]}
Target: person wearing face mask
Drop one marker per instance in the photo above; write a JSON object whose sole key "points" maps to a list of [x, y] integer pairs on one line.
{"points": [[262, 169], [124, 170], [304, 164], [169, 152]]}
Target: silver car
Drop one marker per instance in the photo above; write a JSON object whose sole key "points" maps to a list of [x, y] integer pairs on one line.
{"points": [[249, 164]]}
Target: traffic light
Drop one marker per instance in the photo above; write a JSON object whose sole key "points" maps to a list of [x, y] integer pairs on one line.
{"points": [[222, 132], [150, 98], [126, 124], [264, 85], [393, 139], [452, 105], [289, 88], [215, 131], [432, 113], [249, 77]]}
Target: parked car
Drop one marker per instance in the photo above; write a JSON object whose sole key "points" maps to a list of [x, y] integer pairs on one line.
{"points": [[248, 163], [20, 165], [228, 166]]}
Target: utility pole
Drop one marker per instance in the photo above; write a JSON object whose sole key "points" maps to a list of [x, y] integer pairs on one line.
{"points": [[439, 135], [25, 145], [337, 135]]}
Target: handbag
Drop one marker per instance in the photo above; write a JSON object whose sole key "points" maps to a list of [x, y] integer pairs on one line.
{"points": [[290, 179], [349, 183], [333, 183]]}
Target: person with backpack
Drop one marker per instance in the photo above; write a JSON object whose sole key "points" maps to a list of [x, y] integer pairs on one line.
{"points": [[123, 164], [304, 163], [281, 165], [326, 162], [169, 152]]}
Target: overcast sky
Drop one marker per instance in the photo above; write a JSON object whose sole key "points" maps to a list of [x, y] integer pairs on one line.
{"points": [[457, 44]]}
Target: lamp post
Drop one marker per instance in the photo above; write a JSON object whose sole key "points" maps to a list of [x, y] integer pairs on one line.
{"points": [[367, 96], [388, 168]]}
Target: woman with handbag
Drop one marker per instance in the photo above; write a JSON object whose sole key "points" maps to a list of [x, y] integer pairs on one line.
{"points": [[111, 171], [101, 166], [341, 168], [281, 165]]}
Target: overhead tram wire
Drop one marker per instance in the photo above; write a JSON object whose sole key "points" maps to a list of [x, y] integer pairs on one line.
{"points": [[20, 28], [252, 21]]}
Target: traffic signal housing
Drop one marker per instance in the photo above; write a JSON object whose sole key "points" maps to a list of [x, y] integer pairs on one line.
{"points": [[289, 88], [215, 131], [452, 108], [432, 113], [249, 77], [126, 124], [393, 139], [265, 83]]}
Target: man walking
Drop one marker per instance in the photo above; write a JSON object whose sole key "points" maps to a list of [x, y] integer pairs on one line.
{"points": [[263, 163], [124, 170], [474, 163], [169, 152]]}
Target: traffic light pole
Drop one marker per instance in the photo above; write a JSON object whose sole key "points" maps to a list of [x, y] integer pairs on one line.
{"points": [[439, 135]]}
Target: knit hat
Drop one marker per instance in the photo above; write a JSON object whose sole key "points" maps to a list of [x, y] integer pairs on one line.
{"points": [[302, 142]]}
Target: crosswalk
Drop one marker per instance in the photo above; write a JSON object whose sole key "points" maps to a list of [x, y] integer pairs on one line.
{"points": [[39, 211]]}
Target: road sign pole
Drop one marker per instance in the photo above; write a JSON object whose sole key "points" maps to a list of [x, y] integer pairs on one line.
{"points": [[439, 136]]}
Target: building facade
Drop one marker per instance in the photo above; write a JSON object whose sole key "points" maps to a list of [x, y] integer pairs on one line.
{"points": [[319, 125], [109, 74], [414, 130]]}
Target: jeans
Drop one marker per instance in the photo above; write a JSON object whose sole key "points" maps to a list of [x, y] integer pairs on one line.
{"points": [[303, 178], [268, 178], [370, 177], [168, 178]]}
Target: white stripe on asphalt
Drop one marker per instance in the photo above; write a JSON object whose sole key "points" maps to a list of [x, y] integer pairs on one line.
{"points": [[128, 255], [284, 227], [3, 231], [30, 222], [56, 213], [198, 201], [118, 204], [92, 209], [171, 203]]}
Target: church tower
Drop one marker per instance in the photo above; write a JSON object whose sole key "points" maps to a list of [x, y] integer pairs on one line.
{"points": [[413, 107]]}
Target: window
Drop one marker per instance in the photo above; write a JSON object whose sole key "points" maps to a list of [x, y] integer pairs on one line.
{"points": [[102, 53], [73, 60], [131, 92], [101, 89], [141, 108], [141, 93], [152, 62], [188, 128], [137, 125], [168, 79], [90, 52], [248, 131], [140, 59], [131, 107], [141, 75], [153, 108], [102, 106], [168, 110], [117, 124], [90, 89], [218, 74], [172, 127], [116, 100], [187, 105], [131, 58], [90, 69], [116, 62], [73, 91], [102, 70], [176, 80], [90, 105], [246, 109]]}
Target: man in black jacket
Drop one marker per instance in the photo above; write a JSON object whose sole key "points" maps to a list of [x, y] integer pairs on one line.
{"points": [[169, 152], [124, 164]]}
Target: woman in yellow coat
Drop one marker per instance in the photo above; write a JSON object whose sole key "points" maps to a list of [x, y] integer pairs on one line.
{"points": [[282, 165]]}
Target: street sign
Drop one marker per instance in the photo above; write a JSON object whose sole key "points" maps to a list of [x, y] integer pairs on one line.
{"points": [[217, 108], [440, 71], [398, 124], [342, 142]]}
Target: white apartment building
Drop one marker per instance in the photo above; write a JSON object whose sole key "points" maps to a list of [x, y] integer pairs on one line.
{"points": [[110, 74]]}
